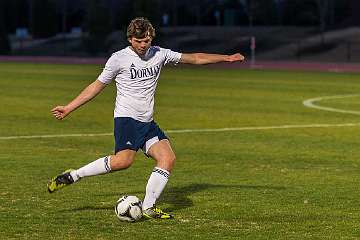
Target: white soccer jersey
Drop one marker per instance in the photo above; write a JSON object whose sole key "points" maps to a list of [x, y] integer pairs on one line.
{"points": [[136, 79]]}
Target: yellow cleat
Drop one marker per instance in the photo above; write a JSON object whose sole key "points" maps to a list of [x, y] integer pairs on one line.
{"points": [[155, 212], [60, 181]]}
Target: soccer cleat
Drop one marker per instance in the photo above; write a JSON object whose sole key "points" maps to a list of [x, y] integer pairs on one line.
{"points": [[155, 212], [60, 181]]}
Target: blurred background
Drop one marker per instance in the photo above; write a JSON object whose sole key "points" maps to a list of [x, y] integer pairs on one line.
{"points": [[299, 30]]}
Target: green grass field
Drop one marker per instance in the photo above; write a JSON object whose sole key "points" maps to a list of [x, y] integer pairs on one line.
{"points": [[275, 183]]}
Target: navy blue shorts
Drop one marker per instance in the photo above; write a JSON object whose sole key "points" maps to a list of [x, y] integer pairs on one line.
{"points": [[132, 134]]}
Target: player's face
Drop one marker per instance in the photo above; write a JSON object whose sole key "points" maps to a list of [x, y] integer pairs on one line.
{"points": [[140, 45]]}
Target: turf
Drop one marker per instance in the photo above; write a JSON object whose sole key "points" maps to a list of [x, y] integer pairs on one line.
{"points": [[296, 183]]}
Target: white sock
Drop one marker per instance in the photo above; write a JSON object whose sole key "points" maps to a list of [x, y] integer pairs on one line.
{"points": [[99, 166], [156, 184]]}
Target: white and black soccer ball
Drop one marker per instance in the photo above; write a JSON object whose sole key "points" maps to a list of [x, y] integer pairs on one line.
{"points": [[128, 208]]}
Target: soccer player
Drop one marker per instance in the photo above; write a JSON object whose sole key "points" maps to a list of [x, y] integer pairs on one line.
{"points": [[136, 70]]}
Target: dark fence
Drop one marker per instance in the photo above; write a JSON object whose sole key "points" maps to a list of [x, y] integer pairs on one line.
{"points": [[295, 44]]}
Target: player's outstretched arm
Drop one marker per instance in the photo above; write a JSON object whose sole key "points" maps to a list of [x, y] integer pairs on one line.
{"points": [[60, 112], [205, 58]]}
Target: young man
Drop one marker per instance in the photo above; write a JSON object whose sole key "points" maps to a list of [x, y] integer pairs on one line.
{"points": [[136, 70]]}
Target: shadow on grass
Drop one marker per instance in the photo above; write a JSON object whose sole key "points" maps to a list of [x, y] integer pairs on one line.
{"points": [[178, 197]]}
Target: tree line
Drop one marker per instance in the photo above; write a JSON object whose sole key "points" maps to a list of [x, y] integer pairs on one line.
{"points": [[46, 18]]}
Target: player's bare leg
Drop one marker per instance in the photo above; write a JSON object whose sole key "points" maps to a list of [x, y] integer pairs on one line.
{"points": [[165, 160], [121, 160], [163, 154]]}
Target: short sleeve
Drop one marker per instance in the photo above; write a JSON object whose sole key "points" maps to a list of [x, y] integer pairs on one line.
{"points": [[111, 69], [171, 56]]}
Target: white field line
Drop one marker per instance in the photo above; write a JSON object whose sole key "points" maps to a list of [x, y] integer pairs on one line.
{"points": [[204, 130], [310, 103]]}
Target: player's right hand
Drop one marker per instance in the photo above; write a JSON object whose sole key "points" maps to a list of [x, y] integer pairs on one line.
{"points": [[60, 112]]}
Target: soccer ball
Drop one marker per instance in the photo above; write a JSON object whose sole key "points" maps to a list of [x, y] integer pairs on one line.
{"points": [[128, 208]]}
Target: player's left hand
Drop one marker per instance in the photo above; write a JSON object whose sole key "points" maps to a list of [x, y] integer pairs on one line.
{"points": [[235, 57]]}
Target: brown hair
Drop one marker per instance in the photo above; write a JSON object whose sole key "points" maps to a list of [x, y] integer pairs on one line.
{"points": [[140, 28]]}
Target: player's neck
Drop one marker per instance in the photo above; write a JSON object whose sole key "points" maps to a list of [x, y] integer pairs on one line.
{"points": [[140, 55]]}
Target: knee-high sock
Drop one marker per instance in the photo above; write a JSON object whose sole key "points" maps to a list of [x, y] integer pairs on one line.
{"points": [[156, 184], [99, 166]]}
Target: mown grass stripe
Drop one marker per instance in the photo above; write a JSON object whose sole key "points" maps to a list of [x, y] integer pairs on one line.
{"points": [[191, 130]]}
